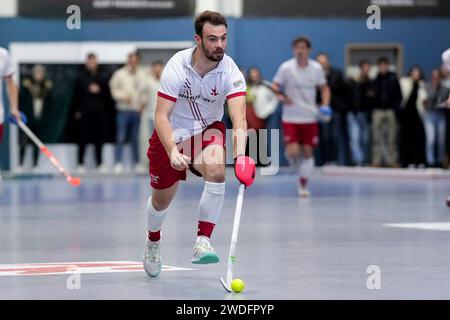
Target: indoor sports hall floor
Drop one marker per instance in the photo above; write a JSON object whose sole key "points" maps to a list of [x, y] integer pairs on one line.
{"points": [[92, 237]]}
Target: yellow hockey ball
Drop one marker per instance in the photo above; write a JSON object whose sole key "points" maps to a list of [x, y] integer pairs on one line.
{"points": [[237, 285]]}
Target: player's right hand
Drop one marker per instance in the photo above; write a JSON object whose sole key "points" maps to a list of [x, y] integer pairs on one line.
{"points": [[179, 161], [245, 169], [284, 99]]}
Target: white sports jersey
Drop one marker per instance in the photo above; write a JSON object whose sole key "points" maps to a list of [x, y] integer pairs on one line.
{"points": [[198, 101], [300, 84], [6, 69]]}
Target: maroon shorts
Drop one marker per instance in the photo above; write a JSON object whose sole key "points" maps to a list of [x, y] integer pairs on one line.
{"points": [[162, 175], [307, 133]]}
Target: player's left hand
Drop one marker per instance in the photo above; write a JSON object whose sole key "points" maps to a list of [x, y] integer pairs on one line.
{"points": [[16, 113], [179, 161], [325, 113], [245, 169]]}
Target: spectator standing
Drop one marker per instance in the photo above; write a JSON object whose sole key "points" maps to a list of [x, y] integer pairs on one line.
{"points": [[36, 101], [130, 101], [358, 117], [446, 104], [412, 131], [384, 116], [261, 104], [436, 119], [150, 89], [333, 135], [91, 98]]}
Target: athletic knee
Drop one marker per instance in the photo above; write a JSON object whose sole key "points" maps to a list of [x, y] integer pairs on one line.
{"points": [[293, 153], [215, 174], [159, 204], [307, 155]]}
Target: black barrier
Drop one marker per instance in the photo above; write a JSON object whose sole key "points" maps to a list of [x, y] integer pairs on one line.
{"points": [[97, 9]]}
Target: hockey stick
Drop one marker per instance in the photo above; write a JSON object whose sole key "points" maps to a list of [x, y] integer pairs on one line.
{"points": [[234, 236], [316, 112], [313, 110], [74, 181]]}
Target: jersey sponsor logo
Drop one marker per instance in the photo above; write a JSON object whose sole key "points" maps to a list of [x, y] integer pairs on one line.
{"points": [[208, 100], [214, 91], [188, 96], [237, 83], [154, 178]]}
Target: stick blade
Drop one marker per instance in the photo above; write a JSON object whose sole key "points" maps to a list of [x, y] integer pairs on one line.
{"points": [[224, 284], [74, 181]]}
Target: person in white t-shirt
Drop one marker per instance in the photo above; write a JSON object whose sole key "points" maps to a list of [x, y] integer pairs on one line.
{"points": [[261, 106], [6, 73], [298, 78], [150, 86], [189, 134]]}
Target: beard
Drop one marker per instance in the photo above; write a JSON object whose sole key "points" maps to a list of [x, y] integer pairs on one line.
{"points": [[215, 56]]}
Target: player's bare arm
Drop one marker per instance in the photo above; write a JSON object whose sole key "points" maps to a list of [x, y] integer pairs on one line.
{"points": [[325, 94], [13, 96], [283, 98], [236, 107], [164, 108]]}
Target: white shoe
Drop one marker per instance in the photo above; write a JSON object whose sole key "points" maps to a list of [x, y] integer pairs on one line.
{"points": [[304, 192], [118, 168], [102, 169], [139, 169], [302, 188], [204, 253], [81, 169], [35, 170], [152, 259]]}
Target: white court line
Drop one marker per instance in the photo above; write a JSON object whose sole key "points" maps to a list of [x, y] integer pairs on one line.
{"points": [[436, 226], [34, 269]]}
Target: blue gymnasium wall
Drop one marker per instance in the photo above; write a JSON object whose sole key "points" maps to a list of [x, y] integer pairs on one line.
{"points": [[252, 42]]}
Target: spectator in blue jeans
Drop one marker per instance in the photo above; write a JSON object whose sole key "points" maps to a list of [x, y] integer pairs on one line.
{"points": [[358, 118], [435, 119], [125, 87], [333, 147]]}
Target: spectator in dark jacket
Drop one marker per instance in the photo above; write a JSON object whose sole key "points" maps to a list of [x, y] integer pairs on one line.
{"points": [[358, 117], [90, 102], [36, 101], [333, 135], [384, 116]]}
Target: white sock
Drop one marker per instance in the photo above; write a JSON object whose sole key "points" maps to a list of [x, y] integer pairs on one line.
{"points": [[306, 168], [155, 218], [211, 202], [293, 162]]}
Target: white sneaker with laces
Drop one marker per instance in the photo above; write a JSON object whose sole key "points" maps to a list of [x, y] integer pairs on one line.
{"points": [[152, 259], [204, 253]]}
